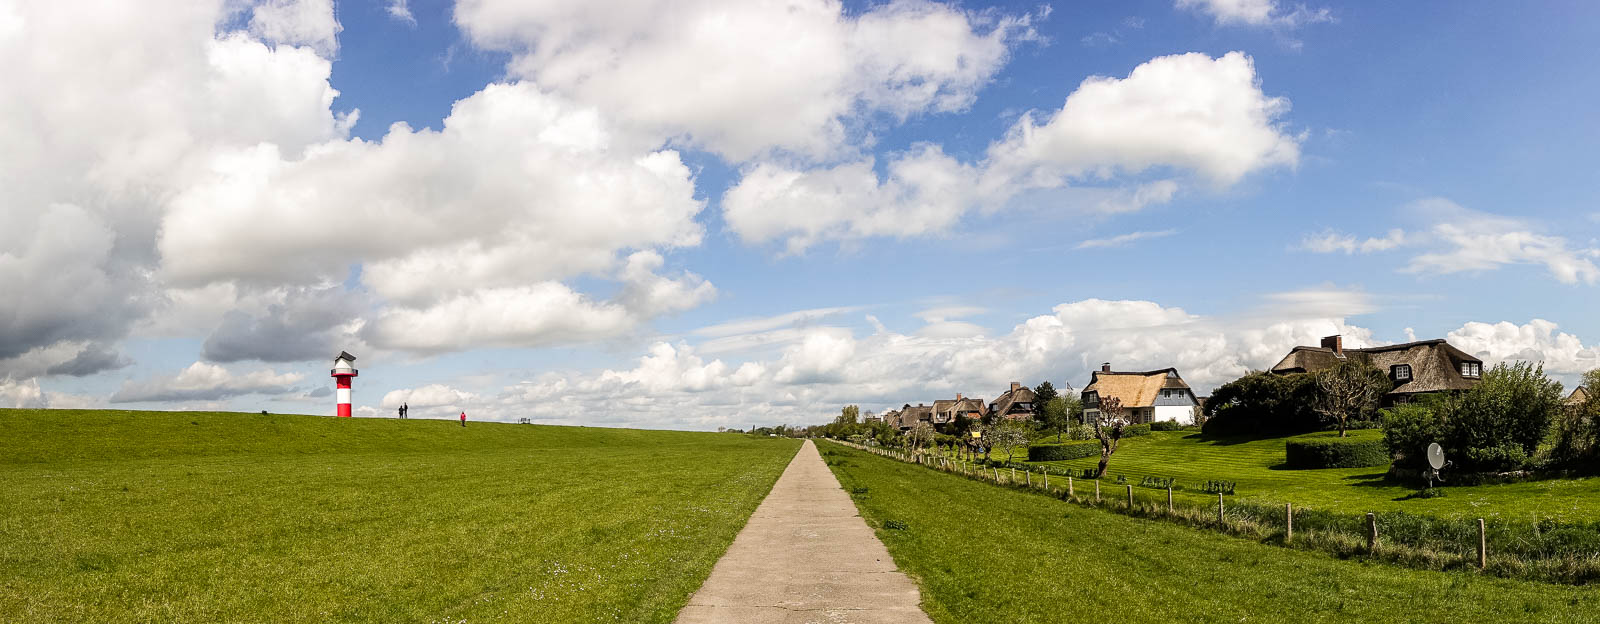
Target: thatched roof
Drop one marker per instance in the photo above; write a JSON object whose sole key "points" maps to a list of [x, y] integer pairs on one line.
{"points": [[1579, 396], [1134, 389], [1017, 394], [1435, 364]]}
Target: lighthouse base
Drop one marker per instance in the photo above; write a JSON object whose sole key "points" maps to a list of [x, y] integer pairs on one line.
{"points": [[344, 410]]}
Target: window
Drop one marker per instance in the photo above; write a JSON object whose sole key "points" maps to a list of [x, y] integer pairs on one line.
{"points": [[1471, 369], [1400, 372]]}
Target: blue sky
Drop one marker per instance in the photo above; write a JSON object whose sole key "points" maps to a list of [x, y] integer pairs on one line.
{"points": [[727, 214]]}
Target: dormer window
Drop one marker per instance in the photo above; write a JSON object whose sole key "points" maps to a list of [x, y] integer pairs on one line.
{"points": [[1400, 372], [1471, 370]]}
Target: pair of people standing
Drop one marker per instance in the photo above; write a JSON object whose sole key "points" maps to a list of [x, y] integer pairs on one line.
{"points": [[404, 409]]}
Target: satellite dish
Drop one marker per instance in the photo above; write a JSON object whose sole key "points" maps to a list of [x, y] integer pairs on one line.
{"points": [[1435, 456]]}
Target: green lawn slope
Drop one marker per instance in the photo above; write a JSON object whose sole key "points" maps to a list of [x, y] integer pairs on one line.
{"points": [[987, 554], [114, 516], [1256, 465]]}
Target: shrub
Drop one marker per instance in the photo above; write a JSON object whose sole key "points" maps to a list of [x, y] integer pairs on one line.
{"points": [[1263, 403], [1159, 483], [1217, 486], [1081, 432], [1407, 432], [1335, 453], [1135, 430], [1498, 424], [1062, 452], [1165, 425], [1577, 436]]}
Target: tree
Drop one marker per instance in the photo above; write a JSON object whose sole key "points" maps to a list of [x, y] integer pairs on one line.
{"points": [[1044, 393], [850, 415], [1054, 415], [1109, 424], [1263, 403], [920, 435], [1007, 434], [1349, 390], [1499, 423]]}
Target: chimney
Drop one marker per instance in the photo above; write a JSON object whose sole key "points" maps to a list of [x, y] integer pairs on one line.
{"points": [[1105, 368], [1015, 386], [1334, 343], [958, 396]]}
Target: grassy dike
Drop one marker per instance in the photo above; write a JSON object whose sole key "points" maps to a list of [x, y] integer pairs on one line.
{"points": [[988, 554], [225, 517]]}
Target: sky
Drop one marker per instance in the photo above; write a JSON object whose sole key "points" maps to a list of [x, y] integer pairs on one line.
{"points": [[727, 213]]}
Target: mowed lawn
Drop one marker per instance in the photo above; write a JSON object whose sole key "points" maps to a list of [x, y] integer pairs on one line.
{"points": [[987, 554], [1257, 468], [216, 517]]}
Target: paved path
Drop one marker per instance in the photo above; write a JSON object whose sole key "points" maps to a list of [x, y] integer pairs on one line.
{"points": [[806, 556]]}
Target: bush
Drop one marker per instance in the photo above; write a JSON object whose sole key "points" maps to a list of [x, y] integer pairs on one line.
{"points": [[1217, 486], [1407, 432], [1335, 453], [1165, 425], [1081, 432], [1498, 424], [1577, 437], [1062, 452], [1263, 403], [1131, 431]]}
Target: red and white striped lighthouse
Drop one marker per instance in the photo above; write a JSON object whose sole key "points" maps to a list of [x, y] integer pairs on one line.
{"points": [[343, 369]]}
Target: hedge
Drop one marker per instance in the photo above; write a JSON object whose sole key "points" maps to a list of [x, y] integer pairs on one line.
{"points": [[1336, 453], [1165, 425], [1062, 452], [1135, 430]]}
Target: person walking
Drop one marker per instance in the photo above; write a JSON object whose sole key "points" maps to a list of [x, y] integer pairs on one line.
{"points": [[463, 419]]}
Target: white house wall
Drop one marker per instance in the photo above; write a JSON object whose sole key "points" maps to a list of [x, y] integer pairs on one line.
{"points": [[1184, 414]]}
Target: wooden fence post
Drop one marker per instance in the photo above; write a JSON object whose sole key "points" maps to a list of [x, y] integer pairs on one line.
{"points": [[1069, 488], [1483, 546], [1030, 478], [1372, 531], [1013, 475], [1096, 490], [1288, 522], [1047, 480], [1130, 496], [1219, 508], [1169, 500]]}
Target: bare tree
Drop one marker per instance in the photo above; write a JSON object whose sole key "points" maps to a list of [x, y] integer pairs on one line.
{"points": [[920, 435], [1350, 389], [1109, 423]]}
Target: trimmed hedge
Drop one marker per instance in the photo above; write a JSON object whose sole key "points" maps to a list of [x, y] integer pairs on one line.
{"points": [[1335, 453], [1131, 431], [1062, 452], [1165, 425]]}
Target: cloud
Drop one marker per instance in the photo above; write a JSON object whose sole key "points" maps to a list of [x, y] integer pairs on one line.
{"points": [[305, 324], [298, 22], [1118, 241], [22, 393], [429, 396], [69, 358], [205, 382], [1330, 241], [646, 293], [1536, 341], [398, 10], [798, 76], [92, 359], [537, 315], [1256, 13], [1207, 118], [822, 367]]}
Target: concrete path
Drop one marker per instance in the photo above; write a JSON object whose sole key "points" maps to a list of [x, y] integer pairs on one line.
{"points": [[805, 556]]}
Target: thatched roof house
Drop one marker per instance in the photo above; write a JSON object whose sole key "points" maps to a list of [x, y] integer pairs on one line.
{"points": [[1016, 403], [947, 410], [1415, 367], [1146, 396], [1579, 396]]}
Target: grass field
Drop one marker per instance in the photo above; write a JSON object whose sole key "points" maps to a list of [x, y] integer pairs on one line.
{"points": [[986, 554], [1257, 467], [213, 517]]}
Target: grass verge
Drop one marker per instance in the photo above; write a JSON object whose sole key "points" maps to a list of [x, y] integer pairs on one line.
{"points": [[988, 554]]}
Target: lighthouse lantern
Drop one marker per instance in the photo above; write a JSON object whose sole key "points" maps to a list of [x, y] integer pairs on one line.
{"points": [[343, 370]]}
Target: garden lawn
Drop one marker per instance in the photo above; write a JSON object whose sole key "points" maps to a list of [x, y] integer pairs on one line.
{"points": [[1256, 465], [986, 554], [217, 517]]}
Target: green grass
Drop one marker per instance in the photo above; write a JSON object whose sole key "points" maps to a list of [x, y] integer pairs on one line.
{"points": [[987, 554], [214, 517], [1257, 468]]}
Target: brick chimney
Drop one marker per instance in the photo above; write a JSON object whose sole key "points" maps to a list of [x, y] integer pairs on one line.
{"points": [[958, 396], [1334, 343], [1105, 368], [1015, 386]]}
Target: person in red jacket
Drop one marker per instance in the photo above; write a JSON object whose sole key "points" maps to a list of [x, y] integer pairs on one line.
{"points": [[463, 419]]}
